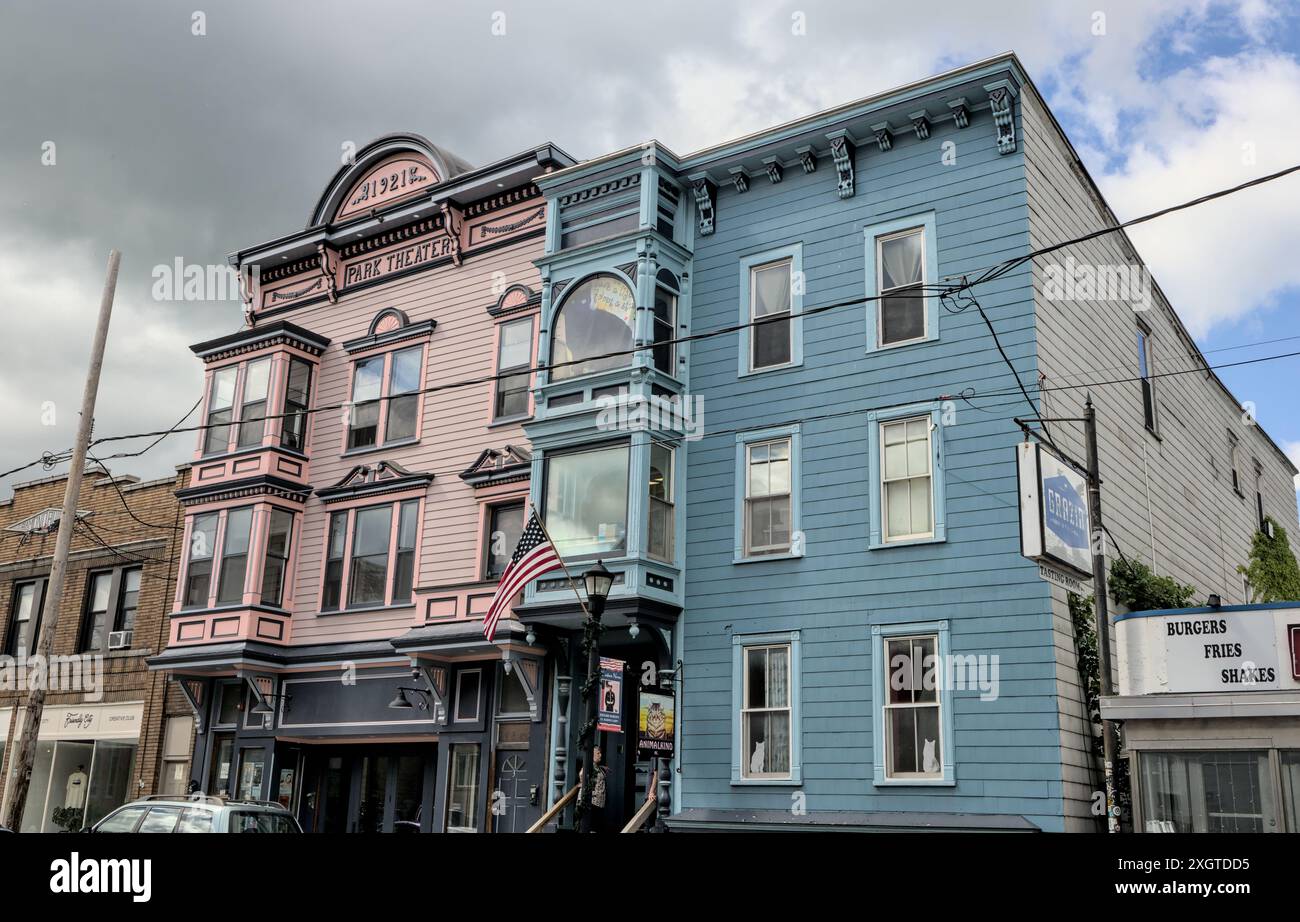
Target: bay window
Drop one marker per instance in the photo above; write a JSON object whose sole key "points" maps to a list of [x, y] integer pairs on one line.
{"points": [[276, 559], [198, 571], [596, 318], [660, 538], [221, 409], [234, 556], [586, 501], [395, 377], [252, 408], [377, 544], [297, 400], [514, 361]]}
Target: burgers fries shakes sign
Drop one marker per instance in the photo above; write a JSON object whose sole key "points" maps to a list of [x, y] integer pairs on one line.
{"points": [[1054, 520]]}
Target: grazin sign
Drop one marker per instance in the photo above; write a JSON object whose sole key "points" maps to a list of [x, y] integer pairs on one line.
{"points": [[1054, 521]]}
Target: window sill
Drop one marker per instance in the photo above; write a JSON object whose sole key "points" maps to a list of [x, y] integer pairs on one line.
{"points": [[766, 782], [915, 783], [771, 369], [906, 542], [871, 350], [760, 558], [1153, 433], [370, 449], [366, 609], [502, 421]]}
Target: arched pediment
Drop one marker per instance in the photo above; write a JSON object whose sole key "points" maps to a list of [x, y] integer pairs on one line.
{"points": [[388, 170]]}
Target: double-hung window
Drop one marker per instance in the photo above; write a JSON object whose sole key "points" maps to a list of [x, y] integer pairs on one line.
{"points": [[912, 727], [25, 617], [1146, 372], [221, 409], [252, 407], [112, 597], [660, 538], [906, 463], [771, 310], [765, 716], [297, 400], [514, 364], [275, 562], [663, 322], [234, 556], [901, 261], [907, 493], [395, 379], [768, 497], [370, 556], [505, 525], [198, 571]]}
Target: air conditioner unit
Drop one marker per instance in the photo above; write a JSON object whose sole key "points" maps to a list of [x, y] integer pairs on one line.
{"points": [[119, 640]]}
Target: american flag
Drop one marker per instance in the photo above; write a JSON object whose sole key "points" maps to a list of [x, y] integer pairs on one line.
{"points": [[533, 557]]}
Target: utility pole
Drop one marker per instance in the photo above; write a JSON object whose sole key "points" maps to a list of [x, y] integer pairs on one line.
{"points": [[26, 752], [1103, 610]]}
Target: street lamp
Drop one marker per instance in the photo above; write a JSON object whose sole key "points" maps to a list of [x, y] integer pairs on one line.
{"points": [[598, 581]]}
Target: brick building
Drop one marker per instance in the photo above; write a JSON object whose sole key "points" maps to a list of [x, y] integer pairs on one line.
{"points": [[111, 731]]}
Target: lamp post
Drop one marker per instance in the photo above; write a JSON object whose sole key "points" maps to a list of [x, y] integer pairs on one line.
{"points": [[598, 581]]}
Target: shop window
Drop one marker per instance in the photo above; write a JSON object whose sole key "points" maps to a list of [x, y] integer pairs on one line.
{"points": [[596, 318], [252, 771], [25, 617], [76, 783], [393, 379], [586, 501], [222, 763], [505, 526], [1219, 791], [175, 776], [1289, 762], [514, 361], [462, 787]]}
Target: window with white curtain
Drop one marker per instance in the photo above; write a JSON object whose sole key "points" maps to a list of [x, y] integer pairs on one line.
{"points": [[770, 309], [765, 714], [900, 270]]}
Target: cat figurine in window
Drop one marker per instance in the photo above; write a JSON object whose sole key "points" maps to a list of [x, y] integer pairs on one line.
{"points": [[929, 763], [759, 757]]}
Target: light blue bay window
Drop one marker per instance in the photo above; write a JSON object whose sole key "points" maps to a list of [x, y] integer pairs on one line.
{"points": [[766, 739]]}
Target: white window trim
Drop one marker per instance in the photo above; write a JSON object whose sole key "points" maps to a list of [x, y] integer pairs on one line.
{"points": [[874, 234], [880, 633], [885, 537], [739, 644], [883, 293], [748, 265], [740, 550]]}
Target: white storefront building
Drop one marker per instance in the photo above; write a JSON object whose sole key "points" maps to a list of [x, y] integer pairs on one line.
{"points": [[1210, 703]]}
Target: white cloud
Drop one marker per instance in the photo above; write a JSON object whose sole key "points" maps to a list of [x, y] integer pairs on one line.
{"points": [[1292, 450]]}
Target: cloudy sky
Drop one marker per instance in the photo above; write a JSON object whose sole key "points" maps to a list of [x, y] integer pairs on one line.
{"points": [[169, 144]]}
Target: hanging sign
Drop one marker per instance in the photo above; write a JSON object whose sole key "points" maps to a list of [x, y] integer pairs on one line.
{"points": [[1054, 521], [655, 720], [609, 714]]}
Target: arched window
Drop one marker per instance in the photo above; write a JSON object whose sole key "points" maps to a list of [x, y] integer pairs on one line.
{"points": [[597, 317]]}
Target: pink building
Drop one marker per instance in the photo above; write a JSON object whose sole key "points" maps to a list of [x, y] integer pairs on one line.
{"points": [[349, 513]]}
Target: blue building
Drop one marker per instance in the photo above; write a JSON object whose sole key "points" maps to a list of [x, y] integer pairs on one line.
{"points": [[821, 551]]}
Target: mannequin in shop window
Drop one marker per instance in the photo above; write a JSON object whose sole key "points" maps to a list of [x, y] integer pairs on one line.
{"points": [[75, 796]]}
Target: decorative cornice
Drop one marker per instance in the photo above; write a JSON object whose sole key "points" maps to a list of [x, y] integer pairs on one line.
{"points": [[807, 158], [497, 466], [739, 178], [600, 189], [261, 485], [423, 329], [373, 480], [706, 198], [884, 135], [1001, 97], [501, 200], [396, 235], [280, 333], [960, 112], [774, 170], [920, 124], [515, 300], [842, 150]]}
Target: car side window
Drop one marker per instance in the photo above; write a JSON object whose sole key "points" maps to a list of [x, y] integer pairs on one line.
{"points": [[195, 819], [160, 819], [123, 820], [250, 821]]}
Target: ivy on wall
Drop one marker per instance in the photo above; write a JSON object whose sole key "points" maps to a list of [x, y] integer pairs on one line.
{"points": [[1273, 573], [1134, 585]]}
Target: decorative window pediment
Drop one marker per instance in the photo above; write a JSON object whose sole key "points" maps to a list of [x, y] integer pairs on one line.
{"points": [[494, 466], [515, 299], [390, 325], [373, 479], [44, 522]]}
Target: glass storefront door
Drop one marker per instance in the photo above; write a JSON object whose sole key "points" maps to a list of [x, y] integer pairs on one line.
{"points": [[371, 789]]}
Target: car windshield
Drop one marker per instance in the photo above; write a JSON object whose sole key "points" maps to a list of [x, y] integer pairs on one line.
{"points": [[261, 821]]}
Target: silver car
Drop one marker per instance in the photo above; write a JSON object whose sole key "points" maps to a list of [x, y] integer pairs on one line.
{"points": [[198, 813]]}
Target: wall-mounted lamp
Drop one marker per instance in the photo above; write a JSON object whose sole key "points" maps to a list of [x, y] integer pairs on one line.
{"points": [[409, 696], [1214, 601], [531, 636], [633, 629]]}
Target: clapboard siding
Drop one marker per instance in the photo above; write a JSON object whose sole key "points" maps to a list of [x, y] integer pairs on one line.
{"points": [[454, 426], [1007, 751], [1168, 501]]}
